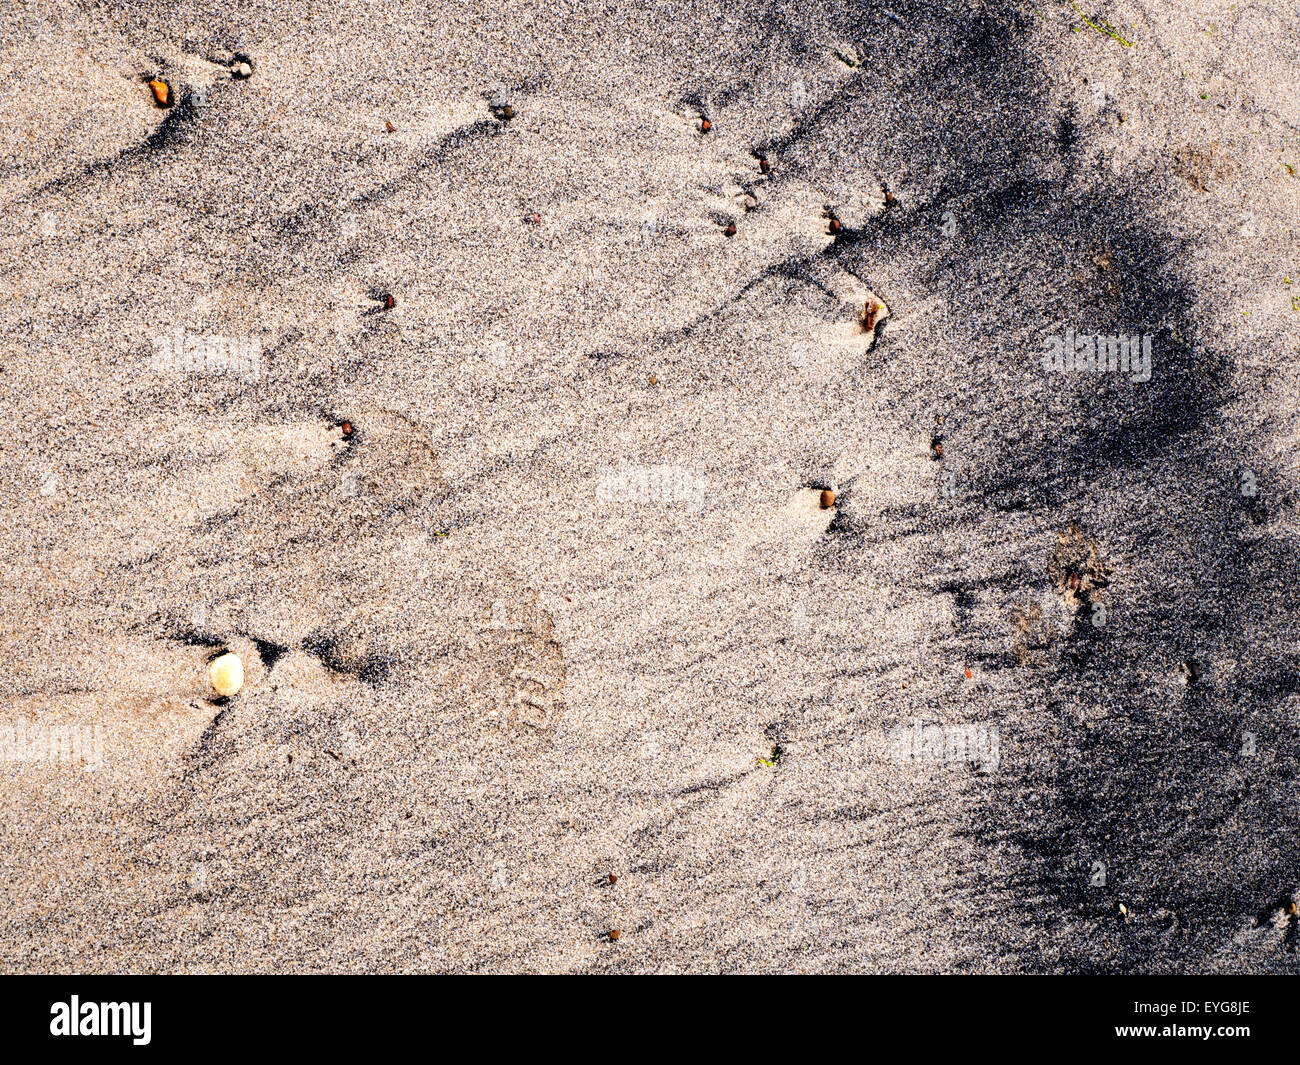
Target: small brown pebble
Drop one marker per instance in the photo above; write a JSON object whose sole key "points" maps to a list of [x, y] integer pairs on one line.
{"points": [[614, 933], [764, 167], [653, 379], [507, 112], [705, 126], [390, 127], [533, 219], [730, 231], [347, 428], [389, 301], [162, 93], [889, 197], [828, 499], [613, 878], [870, 310], [835, 225]]}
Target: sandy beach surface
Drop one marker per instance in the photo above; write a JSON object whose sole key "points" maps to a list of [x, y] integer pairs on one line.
{"points": [[616, 439]]}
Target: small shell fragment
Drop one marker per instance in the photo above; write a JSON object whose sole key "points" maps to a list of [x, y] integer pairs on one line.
{"points": [[227, 674]]}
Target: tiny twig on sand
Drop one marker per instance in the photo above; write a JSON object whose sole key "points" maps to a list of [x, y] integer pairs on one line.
{"points": [[1105, 29]]}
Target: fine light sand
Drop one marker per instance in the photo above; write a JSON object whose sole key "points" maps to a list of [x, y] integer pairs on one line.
{"points": [[560, 599]]}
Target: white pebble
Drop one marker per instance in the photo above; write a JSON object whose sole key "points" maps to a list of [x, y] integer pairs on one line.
{"points": [[227, 674]]}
